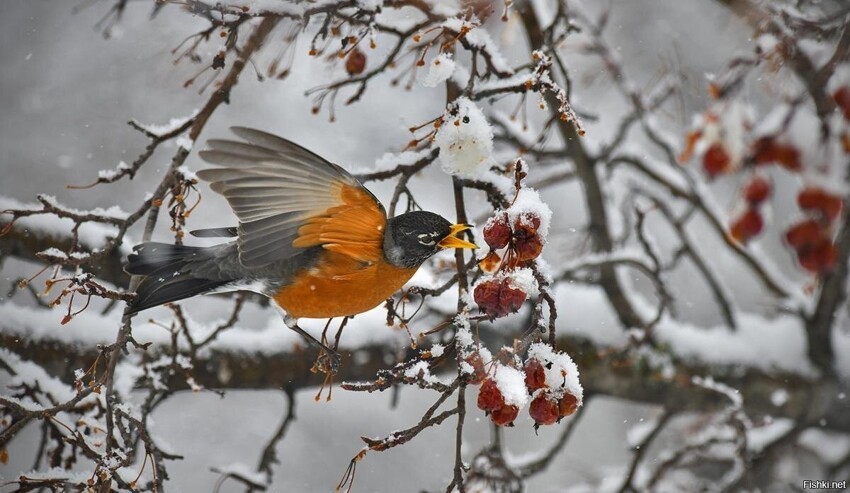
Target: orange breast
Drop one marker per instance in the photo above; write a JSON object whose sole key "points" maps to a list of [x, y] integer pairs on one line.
{"points": [[341, 286]]}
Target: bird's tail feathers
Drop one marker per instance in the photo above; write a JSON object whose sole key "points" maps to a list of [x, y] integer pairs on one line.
{"points": [[167, 277]]}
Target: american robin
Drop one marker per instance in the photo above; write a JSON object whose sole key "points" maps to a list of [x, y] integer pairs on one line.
{"points": [[310, 236]]}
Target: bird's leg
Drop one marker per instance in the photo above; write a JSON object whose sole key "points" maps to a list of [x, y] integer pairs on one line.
{"points": [[333, 356], [325, 332], [339, 331], [329, 378], [319, 365]]}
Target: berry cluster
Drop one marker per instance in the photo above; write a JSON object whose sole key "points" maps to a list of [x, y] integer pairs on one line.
{"points": [[722, 141], [549, 379], [515, 237], [811, 239], [492, 401], [520, 236]]}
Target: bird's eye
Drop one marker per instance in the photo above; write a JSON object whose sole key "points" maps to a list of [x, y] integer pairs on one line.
{"points": [[426, 239]]}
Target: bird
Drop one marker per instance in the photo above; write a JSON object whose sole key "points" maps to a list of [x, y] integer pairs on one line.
{"points": [[309, 236]]}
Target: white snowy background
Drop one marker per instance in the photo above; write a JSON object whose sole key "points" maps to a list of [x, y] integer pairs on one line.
{"points": [[66, 94]]}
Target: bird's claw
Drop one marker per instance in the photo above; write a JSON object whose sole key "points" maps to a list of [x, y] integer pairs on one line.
{"points": [[328, 361]]}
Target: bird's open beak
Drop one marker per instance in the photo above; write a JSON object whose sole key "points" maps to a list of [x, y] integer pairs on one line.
{"points": [[452, 241]]}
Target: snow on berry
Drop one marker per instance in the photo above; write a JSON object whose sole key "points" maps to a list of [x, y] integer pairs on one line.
{"points": [[441, 68], [523, 278], [529, 209], [511, 384], [465, 140], [560, 371]]}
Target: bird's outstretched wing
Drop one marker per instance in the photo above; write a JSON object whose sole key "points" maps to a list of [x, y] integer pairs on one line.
{"points": [[288, 198]]}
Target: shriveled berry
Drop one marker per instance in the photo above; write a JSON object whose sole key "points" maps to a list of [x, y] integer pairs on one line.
{"points": [[749, 225], [528, 244], [478, 373], [490, 263], [716, 161], [543, 410], [805, 233], [819, 200], [497, 231], [505, 415], [757, 190], [356, 62], [489, 396], [497, 298], [567, 405], [535, 375]]}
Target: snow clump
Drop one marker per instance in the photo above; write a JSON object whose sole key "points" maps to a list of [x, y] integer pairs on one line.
{"points": [[465, 140]]}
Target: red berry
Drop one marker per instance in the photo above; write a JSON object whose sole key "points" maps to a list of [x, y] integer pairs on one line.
{"points": [[490, 397], [505, 415], [478, 373], [497, 298], [567, 405], [497, 232], [356, 62], [842, 99], [535, 375], [819, 200], [543, 410], [757, 190], [789, 158], [716, 161], [804, 233], [764, 151], [747, 226], [818, 257], [768, 150]]}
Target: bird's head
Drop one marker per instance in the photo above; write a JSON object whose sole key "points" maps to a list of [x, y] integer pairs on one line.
{"points": [[411, 238]]}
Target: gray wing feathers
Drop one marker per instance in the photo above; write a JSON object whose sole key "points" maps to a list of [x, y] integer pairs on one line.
{"points": [[272, 185], [226, 232]]}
